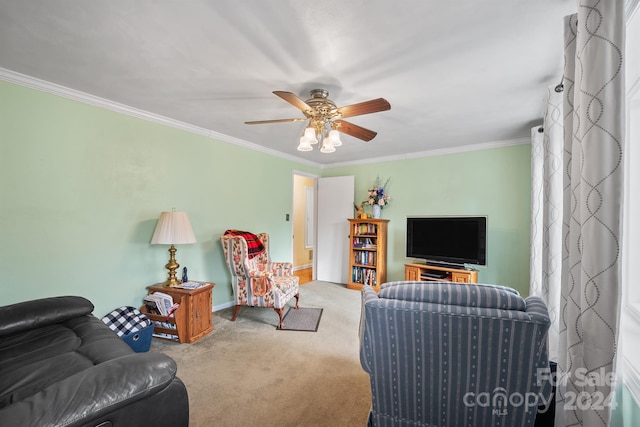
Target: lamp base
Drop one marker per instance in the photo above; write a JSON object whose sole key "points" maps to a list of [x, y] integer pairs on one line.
{"points": [[172, 266], [170, 284]]}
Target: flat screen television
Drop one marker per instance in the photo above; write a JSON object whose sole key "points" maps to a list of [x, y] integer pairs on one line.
{"points": [[454, 240]]}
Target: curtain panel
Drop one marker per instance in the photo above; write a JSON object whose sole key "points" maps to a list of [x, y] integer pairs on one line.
{"points": [[546, 212], [577, 183]]}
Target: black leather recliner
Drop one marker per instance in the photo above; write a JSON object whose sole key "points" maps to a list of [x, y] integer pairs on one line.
{"points": [[61, 366]]}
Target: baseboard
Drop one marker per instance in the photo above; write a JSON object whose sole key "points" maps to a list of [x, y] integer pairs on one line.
{"points": [[302, 267], [223, 306]]}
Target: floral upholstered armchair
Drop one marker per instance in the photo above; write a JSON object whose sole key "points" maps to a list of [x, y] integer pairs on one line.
{"points": [[256, 281]]}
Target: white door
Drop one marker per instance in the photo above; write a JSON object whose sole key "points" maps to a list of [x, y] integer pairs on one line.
{"points": [[335, 206]]}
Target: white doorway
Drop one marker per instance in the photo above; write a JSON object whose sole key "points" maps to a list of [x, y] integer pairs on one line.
{"points": [[335, 197], [303, 225], [321, 240]]}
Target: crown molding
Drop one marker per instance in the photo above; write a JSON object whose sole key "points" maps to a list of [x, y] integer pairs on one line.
{"points": [[437, 152], [96, 101]]}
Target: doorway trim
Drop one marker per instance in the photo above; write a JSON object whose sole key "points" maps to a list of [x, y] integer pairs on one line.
{"points": [[315, 177]]}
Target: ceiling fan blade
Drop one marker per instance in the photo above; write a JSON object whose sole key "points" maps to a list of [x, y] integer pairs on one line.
{"points": [[355, 130], [366, 107], [261, 122], [293, 100]]}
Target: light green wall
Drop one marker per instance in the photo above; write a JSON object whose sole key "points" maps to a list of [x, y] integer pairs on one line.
{"points": [[492, 182], [82, 188], [626, 413]]}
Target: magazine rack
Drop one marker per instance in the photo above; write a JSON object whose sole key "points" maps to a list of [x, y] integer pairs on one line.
{"points": [[191, 321]]}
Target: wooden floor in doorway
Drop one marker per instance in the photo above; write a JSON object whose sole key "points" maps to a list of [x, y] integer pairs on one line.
{"points": [[305, 275]]}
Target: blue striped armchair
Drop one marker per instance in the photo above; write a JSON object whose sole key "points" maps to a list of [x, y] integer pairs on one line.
{"points": [[453, 354]]}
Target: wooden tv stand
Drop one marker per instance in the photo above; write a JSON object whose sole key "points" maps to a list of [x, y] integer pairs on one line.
{"points": [[430, 273]]}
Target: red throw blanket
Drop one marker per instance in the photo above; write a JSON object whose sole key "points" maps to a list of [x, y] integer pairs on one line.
{"points": [[254, 244]]}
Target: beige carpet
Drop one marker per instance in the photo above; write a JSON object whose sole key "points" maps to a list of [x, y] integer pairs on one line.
{"points": [[247, 373]]}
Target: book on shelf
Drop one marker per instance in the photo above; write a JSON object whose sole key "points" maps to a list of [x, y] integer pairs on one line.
{"points": [[366, 276], [367, 258], [363, 242], [366, 228], [370, 278]]}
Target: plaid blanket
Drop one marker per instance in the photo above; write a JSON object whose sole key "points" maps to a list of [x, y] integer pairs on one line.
{"points": [[254, 245], [126, 320]]}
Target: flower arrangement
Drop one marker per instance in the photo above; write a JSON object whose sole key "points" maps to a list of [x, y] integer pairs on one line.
{"points": [[377, 194]]}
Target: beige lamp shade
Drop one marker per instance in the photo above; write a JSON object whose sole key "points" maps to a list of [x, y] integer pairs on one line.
{"points": [[173, 228]]}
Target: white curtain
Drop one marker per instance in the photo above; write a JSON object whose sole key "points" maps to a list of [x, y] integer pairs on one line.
{"points": [[547, 146], [584, 300]]}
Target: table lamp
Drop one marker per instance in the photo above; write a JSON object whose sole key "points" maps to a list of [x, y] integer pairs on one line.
{"points": [[173, 228]]}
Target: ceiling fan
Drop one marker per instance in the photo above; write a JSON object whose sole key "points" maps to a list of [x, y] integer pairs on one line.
{"points": [[326, 119]]}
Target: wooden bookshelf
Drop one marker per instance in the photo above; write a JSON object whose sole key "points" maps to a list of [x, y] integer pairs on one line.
{"points": [[367, 252]]}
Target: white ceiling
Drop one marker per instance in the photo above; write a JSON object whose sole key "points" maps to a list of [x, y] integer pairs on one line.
{"points": [[456, 73]]}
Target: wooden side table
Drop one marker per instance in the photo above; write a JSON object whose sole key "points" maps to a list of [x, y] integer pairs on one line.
{"points": [[192, 320]]}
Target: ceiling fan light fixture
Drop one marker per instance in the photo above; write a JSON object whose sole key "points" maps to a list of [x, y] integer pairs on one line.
{"points": [[334, 138], [327, 147], [310, 135], [304, 145], [325, 118]]}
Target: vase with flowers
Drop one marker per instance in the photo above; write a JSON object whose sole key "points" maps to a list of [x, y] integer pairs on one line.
{"points": [[378, 198]]}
